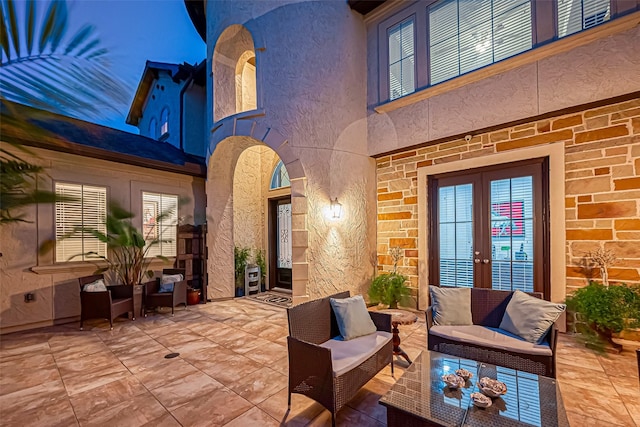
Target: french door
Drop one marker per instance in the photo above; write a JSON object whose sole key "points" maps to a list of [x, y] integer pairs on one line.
{"points": [[280, 261], [488, 227]]}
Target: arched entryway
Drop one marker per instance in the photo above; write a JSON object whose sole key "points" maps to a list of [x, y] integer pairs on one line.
{"points": [[237, 143]]}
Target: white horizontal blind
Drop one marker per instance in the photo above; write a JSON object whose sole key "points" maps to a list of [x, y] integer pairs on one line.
{"points": [[87, 210], [155, 227], [468, 34], [578, 15], [401, 59]]}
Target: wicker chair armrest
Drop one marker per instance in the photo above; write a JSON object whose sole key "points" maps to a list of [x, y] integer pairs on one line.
{"points": [[381, 320], [121, 291], [429, 317], [309, 360], [180, 287]]}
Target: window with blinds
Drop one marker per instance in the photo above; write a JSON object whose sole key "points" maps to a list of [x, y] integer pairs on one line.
{"points": [[88, 210], [578, 15], [401, 59], [468, 34], [159, 221]]}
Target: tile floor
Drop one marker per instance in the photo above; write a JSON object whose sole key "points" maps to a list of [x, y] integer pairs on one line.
{"points": [[232, 371]]}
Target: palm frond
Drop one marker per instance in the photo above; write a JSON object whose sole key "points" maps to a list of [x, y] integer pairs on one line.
{"points": [[64, 74]]}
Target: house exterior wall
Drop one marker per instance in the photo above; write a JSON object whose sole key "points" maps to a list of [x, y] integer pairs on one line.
{"points": [[598, 163], [55, 286], [194, 117], [300, 49], [164, 93], [600, 205]]}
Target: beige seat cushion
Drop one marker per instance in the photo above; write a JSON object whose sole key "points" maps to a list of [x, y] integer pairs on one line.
{"points": [[346, 355], [490, 337]]}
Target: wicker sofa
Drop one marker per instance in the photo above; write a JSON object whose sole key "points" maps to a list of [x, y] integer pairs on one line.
{"points": [[328, 370], [485, 342]]}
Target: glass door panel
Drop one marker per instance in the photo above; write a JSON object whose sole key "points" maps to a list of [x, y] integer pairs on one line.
{"points": [[511, 211], [456, 235]]}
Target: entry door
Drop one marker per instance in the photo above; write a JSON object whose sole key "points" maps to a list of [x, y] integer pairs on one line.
{"points": [[280, 243], [488, 228]]}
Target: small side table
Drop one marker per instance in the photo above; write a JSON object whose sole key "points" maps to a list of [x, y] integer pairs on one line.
{"points": [[399, 317]]}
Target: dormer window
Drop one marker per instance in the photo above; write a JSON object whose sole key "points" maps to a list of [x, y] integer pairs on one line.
{"points": [[164, 122], [153, 129]]}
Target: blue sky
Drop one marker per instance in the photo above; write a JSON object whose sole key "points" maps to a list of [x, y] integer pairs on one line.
{"points": [[137, 30]]}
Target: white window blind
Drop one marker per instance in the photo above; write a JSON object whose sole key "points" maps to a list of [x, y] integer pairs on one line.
{"points": [[578, 15], [159, 221], [401, 59], [87, 210], [468, 34]]}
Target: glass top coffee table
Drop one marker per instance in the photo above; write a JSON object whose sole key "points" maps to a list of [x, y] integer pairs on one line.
{"points": [[421, 398]]}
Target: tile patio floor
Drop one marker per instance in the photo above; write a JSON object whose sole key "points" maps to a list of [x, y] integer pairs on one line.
{"points": [[232, 371]]}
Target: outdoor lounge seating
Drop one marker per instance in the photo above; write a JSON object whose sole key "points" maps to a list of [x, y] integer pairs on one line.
{"points": [[157, 294], [109, 303], [323, 366], [484, 341]]}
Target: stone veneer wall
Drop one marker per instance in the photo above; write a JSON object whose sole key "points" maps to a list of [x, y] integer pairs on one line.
{"points": [[602, 186]]}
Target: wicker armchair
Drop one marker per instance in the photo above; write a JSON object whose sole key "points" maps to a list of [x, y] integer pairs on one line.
{"points": [[115, 301], [487, 309], [311, 370], [154, 298]]}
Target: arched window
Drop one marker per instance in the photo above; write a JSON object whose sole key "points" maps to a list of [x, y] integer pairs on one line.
{"points": [[153, 128], [164, 121], [280, 177], [246, 82]]}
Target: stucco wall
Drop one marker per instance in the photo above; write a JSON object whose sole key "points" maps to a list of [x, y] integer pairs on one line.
{"points": [[194, 116], [22, 270], [248, 195], [601, 69], [164, 93], [300, 49]]}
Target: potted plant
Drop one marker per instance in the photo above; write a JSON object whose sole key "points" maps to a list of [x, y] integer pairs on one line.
{"points": [[241, 256], [127, 249], [600, 311], [390, 288], [262, 263]]}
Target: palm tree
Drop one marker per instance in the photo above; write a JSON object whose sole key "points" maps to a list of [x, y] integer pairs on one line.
{"points": [[44, 68]]}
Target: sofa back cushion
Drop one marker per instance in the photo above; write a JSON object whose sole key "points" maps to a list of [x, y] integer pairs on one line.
{"points": [[488, 305], [352, 316], [529, 317], [451, 306]]}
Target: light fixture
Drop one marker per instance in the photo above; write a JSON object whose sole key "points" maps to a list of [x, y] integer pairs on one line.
{"points": [[336, 209]]}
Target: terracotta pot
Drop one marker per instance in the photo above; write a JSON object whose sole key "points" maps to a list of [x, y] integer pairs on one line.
{"points": [[193, 297]]}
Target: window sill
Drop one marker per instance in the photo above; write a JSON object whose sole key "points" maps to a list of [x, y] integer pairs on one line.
{"points": [[87, 267], [536, 54], [164, 137]]}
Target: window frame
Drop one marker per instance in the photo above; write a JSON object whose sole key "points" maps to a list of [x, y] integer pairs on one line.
{"points": [[277, 168], [153, 130], [80, 257], [154, 251], [164, 122], [544, 28]]}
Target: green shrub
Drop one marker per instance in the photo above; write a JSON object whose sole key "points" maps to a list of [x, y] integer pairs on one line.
{"points": [[390, 289], [606, 309]]}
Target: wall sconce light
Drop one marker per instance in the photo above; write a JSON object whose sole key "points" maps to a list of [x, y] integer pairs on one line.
{"points": [[336, 209]]}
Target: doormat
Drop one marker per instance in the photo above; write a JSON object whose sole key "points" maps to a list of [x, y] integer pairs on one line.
{"points": [[273, 298]]}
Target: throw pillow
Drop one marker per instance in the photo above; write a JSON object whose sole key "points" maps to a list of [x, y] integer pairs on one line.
{"points": [[97, 286], [352, 316], [530, 317], [167, 281], [451, 306]]}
